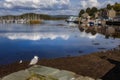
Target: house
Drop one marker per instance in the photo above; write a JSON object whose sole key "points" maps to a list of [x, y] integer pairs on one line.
{"points": [[97, 14], [104, 14], [85, 15], [111, 13]]}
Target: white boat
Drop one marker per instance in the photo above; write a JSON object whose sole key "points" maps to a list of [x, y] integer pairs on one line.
{"points": [[72, 19]]}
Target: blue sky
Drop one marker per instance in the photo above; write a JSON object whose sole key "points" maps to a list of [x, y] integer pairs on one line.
{"points": [[52, 7]]}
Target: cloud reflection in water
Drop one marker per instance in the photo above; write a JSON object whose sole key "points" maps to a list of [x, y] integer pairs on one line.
{"points": [[34, 36], [45, 35]]}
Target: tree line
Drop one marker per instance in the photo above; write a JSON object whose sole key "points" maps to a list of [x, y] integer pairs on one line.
{"points": [[31, 16], [93, 10]]}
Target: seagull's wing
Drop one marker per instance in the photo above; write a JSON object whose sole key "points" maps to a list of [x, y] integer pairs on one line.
{"points": [[33, 61]]}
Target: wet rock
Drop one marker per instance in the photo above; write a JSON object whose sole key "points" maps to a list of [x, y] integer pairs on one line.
{"points": [[84, 78], [41, 73], [40, 77], [42, 70], [98, 79], [21, 75], [64, 75], [44, 73]]}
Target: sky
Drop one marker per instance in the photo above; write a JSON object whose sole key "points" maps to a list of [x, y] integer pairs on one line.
{"points": [[52, 7]]}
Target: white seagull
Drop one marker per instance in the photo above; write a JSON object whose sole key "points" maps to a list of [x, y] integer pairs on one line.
{"points": [[34, 60], [20, 61]]}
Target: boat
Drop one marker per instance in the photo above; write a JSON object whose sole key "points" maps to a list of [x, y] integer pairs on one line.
{"points": [[73, 19]]}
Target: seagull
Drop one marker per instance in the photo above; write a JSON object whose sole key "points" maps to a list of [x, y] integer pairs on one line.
{"points": [[20, 61], [34, 60]]}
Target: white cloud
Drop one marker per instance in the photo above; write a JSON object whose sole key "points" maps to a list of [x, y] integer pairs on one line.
{"points": [[89, 3], [57, 7], [37, 6], [107, 2], [36, 3]]}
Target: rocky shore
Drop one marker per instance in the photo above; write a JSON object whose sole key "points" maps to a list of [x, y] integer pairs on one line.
{"points": [[38, 72], [104, 65]]}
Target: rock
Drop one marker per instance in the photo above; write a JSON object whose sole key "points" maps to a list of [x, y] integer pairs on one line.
{"points": [[44, 73], [98, 79], [84, 78], [59, 74], [40, 77], [42, 70], [64, 75], [21, 75], [33, 78]]}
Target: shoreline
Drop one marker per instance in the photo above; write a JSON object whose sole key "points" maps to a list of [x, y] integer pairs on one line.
{"points": [[96, 65]]}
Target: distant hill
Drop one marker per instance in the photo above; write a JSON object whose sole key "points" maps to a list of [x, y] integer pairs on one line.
{"points": [[35, 16], [61, 16]]}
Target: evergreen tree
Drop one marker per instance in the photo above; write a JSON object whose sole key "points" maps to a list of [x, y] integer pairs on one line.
{"points": [[109, 7], [81, 12], [93, 11], [88, 10], [116, 7]]}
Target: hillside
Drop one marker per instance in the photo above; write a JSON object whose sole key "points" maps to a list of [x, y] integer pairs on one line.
{"points": [[33, 16]]}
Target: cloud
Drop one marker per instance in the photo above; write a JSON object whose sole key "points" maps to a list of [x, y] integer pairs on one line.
{"points": [[36, 4], [41, 6], [107, 2], [89, 3], [53, 7]]}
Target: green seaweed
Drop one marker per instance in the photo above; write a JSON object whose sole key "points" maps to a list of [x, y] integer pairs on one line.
{"points": [[40, 77]]}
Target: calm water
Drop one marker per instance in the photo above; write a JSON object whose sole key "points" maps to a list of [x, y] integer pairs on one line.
{"points": [[52, 39]]}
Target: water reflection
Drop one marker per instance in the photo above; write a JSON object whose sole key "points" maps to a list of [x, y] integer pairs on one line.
{"points": [[34, 36], [49, 40], [42, 36], [89, 35], [108, 31], [50, 30]]}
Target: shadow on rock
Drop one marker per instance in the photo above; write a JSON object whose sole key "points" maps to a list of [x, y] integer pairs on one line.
{"points": [[113, 74]]}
